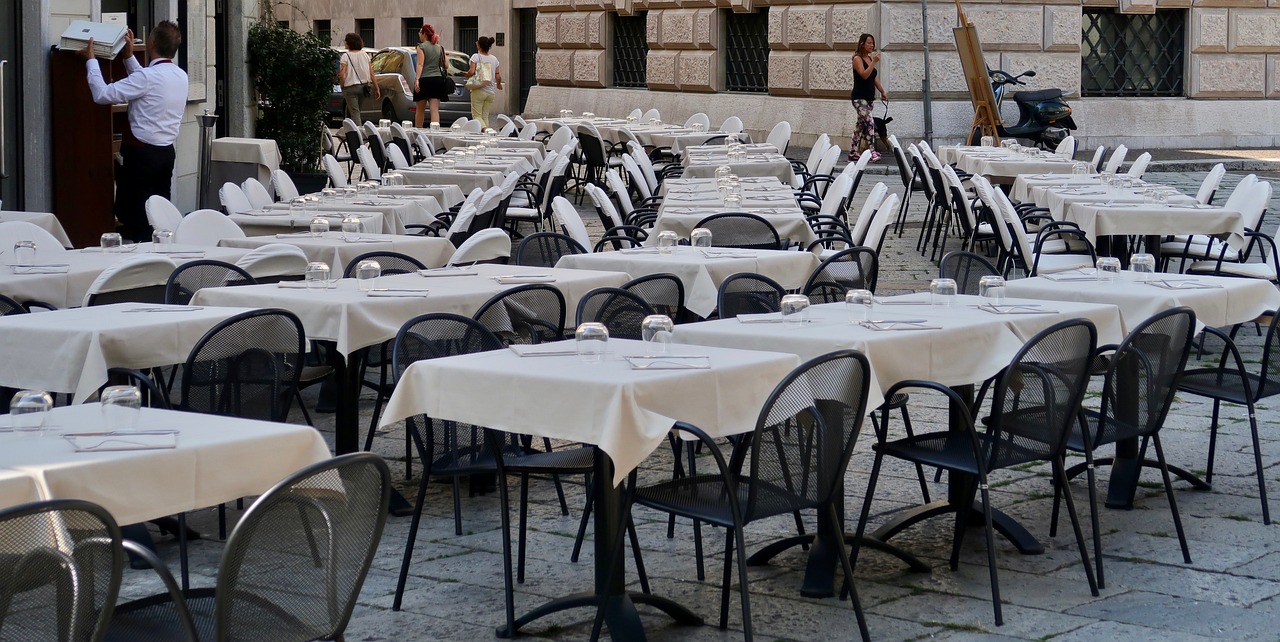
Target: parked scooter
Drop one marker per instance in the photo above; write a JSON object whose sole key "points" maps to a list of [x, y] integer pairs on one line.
{"points": [[1043, 116]]}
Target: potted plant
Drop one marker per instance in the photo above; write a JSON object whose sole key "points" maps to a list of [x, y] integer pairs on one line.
{"points": [[293, 75]]}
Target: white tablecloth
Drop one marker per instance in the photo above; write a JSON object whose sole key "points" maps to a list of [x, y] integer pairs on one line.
{"points": [[1023, 184], [43, 220], [391, 213], [762, 164], [354, 320], [550, 124], [1235, 301], [465, 179], [1097, 219], [1058, 198], [448, 139], [686, 201], [447, 195], [218, 459], [627, 413], [71, 350], [970, 346], [700, 275], [1004, 166], [337, 252]]}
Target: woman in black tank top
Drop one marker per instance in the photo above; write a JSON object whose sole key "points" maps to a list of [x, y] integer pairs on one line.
{"points": [[866, 83]]}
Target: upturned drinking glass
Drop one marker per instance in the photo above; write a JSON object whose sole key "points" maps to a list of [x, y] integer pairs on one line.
{"points": [[111, 242], [317, 275], [592, 340], [29, 410], [1108, 269], [655, 330], [24, 252], [667, 240], [367, 273], [795, 310], [120, 407], [859, 303], [1143, 266], [943, 292], [991, 289], [700, 237], [318, 227]]}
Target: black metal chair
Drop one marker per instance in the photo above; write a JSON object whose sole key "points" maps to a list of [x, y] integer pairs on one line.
{"points": [[391, 263], [191, 277], [741, 230], [246, 366], [1035, 407], [291, 569], [663, 292], [544, 249], [9, 306], [748, 293], [794, 460], [619, 310], [856, 268], [62, 562], [532, 313], [1136, 394], [967, 268], [1222, 376]]}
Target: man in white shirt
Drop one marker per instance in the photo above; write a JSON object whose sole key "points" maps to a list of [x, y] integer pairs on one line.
{"points": [[157, 97]]}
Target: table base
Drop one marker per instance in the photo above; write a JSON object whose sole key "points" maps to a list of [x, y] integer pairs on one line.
{"points": [[1124, 475], [820, 574], [1004, 524], [620, 612], [348, 372]]}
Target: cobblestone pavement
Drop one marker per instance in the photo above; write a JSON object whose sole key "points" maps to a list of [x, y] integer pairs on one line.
{"points": [[1230, 590]]}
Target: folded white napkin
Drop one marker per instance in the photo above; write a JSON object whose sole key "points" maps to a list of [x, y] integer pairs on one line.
{"points": [[768, 317], [532, 278], [122, 440], [664, 363], [449, 271], [545, 350], [52, 268], [884, 326], [397, 293]]}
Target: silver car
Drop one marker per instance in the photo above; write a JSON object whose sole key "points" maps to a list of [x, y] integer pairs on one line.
{"points": [[393, 68]]}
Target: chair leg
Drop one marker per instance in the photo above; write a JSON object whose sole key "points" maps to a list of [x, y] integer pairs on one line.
{"points": [[408, 545], [866, 507], [457, 504], [848, 576], [582, 525], [1060, 472], [524, 521], [1093, 517], [1173, 504], [726, 579], [742, 584], [924, 486], [508, 587], [989, 529], [1257, 463], [962, 523], [1213, 442], [636, 554]]}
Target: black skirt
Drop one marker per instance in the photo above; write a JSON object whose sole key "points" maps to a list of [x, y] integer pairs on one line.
{"points": [[438, 87]]}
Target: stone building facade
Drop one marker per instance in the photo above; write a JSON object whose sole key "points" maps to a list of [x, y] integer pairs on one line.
{"points": [[1228, 83]]}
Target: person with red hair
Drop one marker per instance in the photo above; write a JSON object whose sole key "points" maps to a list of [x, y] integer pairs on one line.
{"points": [[432, 83]]}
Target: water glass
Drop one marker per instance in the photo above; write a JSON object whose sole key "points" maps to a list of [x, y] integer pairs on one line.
{"points": [[859, 303], [318, 227], [991, 289], [317, 275], [700, 237], [457, 127], [667, 240], [161, 238], [329, 194], [1079, 168], [1108, 269], [24, 252], [988, 141], [732, 202], [29, 409], [592, 340], [111, 242], [350, 227], [121, 406], [943, 292], [367, 273], [654, 122], [655, 330], [384, 123], [1143, 265], [723, 172], [435, 126], [1108, 178], [795, 310]]}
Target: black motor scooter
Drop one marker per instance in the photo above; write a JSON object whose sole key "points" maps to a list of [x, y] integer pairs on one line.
{"points": [[1043, 116]]}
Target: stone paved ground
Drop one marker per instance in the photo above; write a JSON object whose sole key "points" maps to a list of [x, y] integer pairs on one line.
{"points": [[1230, 590]]}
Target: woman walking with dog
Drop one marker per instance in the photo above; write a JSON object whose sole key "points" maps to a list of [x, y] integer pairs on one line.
{"points": [[866, 82]]}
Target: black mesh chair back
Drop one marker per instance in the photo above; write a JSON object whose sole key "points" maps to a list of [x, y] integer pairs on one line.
{"points": [[295, 563], [663, 292], [856, 268], [1038, 396], [531, 313], [143, 294], [191, 277], [619, 310], [741, 230], [1143, 376], [62, 562], [748, 293], [9, 306], [805, 435], [967, 269], [544, 249], [247, 366], [390, 262]]}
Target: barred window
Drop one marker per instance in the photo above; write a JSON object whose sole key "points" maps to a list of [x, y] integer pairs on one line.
{"points": [[324, 30], [630, 51], [364, 29], [1132, 55], [409, 27], [747, 51]]}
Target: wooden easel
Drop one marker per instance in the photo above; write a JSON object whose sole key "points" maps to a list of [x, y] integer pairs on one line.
{"points": [[986, 117]]}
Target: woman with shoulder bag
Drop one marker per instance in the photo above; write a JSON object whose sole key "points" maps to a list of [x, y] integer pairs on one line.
{"points": [[484, 80], [866, 82], [355, 74], [433, 84]]}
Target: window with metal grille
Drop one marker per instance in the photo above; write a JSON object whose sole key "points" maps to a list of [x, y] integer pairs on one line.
{"points": [[468, 30], [364, 29], [410, 27], [1131, 54], [746, 51], [528, 52], [630, 51], [324, 30]]}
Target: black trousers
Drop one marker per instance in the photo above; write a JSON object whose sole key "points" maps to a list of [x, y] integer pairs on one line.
{"points": [[144, 171]]}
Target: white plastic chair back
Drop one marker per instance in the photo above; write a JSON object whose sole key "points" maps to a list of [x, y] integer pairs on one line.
{"points": [[815, 153], [337, 175], [283, 185], [1013, 222], [1139, 166], [879, 222], [828, 160], [637, 176], [398, 160], [1067, 148], [519, 121], [370, 166], [489, 199], [507, 129], [506, 120], [698, 119], [560, 137], [619, 188], [473, 126], [1117, 159], [869, 206], [859, 166], [139, 271], [569, 220], [956, 192], [835, 195], [527, 131], [780, 136], [462, 120], [982, 187], [48, 248], [233, 199], [645, 164], [462, 221], [423, 145], [651, 114], [508, 185], [731, 125], [274, 260], [485, 245], [1096, 163], [205, 228], [601, 200], [1256, 204], [636, 113], [348, 125], [1210, 184], [560, 168], [256, 193], [1240, 193], [397, 131], [161, 214]]}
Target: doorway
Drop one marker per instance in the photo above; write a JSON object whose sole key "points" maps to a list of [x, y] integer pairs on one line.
{"points": [[11, 197]]}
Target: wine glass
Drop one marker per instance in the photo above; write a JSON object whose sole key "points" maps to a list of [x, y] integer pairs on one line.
{"points": [[795, 310], [367, 273], [121, 406], [29, 409], [859, 299], [592, 340], [655, 330]]}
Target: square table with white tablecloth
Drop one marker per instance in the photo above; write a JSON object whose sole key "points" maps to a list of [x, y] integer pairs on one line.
{"points": [[43, 220], [1138, 219], [447, 195], [701, 270], [550, 125], [1058, 198], [217, 459], [66, 285], [337, 250], [686, 201], [1003, 166], [388, 213], [71, 350], [275, 221], [1021, 190], [466, 179], [703, 164], [1217, 301]]}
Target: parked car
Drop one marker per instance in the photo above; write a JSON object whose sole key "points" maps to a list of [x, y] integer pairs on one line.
{"points": [[394, 68]]}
